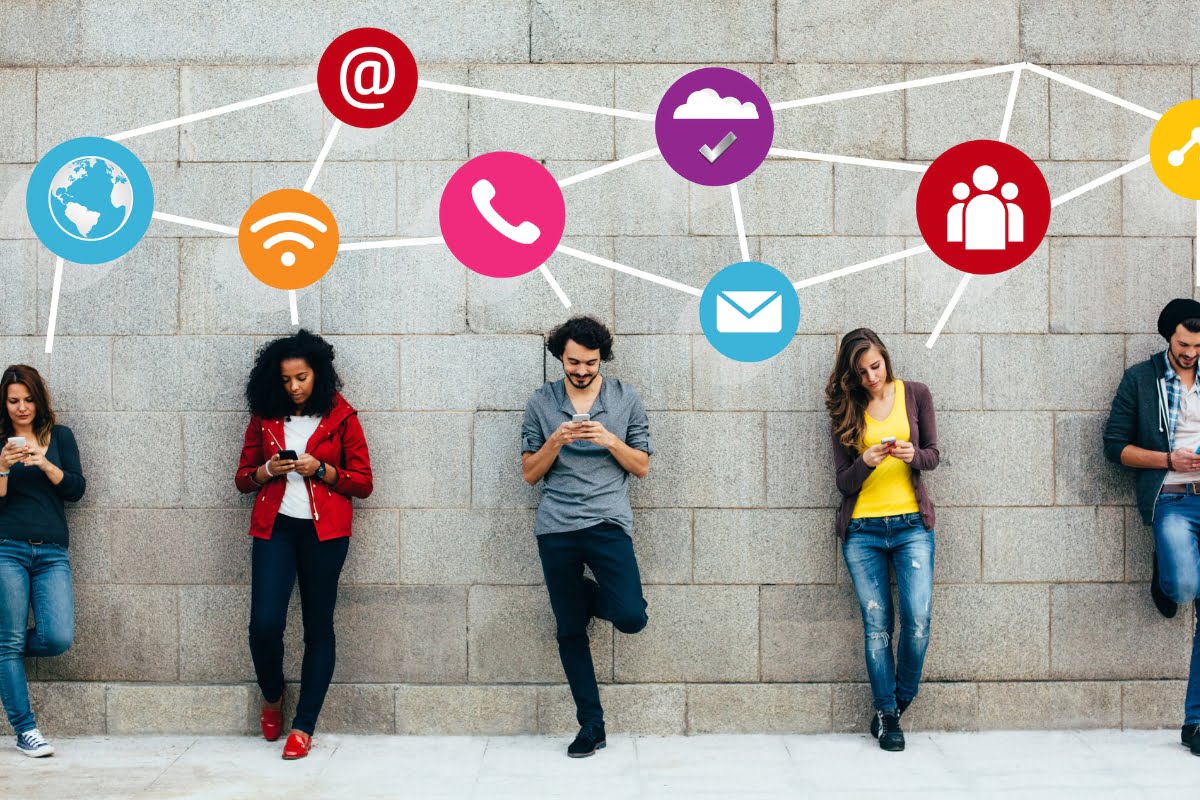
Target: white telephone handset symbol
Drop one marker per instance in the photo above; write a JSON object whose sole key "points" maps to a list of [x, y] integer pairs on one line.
{"points": [[482, 193]]}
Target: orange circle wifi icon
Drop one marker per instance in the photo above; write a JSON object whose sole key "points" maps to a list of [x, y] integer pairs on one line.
{"points": [[288, 239]]}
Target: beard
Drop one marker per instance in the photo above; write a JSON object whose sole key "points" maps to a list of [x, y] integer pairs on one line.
{"points": [[586, 382]]}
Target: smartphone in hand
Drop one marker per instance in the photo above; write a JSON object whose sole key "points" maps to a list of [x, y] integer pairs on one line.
{"points": [[889, 441], [287, 455], [581, 417]]}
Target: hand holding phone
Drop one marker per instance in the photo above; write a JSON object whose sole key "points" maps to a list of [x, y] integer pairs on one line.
{"points": [[888, 441], [287, 455], [581, 417]]}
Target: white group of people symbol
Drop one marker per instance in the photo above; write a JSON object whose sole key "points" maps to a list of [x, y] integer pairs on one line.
{"points": [[984, 222]]}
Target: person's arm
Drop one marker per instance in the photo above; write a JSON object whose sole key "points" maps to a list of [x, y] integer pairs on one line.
{"points": [[353, 477], [634, 451], [67, 478], [1120, 430], [926, 455], [851, 471], [251, 474]]}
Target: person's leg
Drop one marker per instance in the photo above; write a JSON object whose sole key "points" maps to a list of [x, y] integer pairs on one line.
{"points": [[608, 550], [1176, 528], [15, 558], [867, 562], [53, 600], [1176, 523], [912, 561], [319, 566], [272, 574], [562, 566]]}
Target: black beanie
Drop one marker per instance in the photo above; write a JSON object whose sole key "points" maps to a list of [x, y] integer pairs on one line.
{"points": [[1175, 312]]}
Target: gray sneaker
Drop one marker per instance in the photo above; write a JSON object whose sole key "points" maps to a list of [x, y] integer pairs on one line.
{"points": [[33, 744]]}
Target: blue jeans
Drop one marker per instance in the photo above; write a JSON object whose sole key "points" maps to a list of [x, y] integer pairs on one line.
{"points": [[1177, 549], [906, 544], [39, 574], [608, 550]]}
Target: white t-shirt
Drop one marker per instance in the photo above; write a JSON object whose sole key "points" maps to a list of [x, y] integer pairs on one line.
{"points": [[1187, 431], [296, 433]]}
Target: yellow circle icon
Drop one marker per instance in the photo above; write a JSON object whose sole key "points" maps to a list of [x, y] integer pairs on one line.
{"points": [[1175, 149], [288, 239]]}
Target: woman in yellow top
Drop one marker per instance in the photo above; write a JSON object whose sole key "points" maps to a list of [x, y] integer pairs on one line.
{"points": [[884, 437]]}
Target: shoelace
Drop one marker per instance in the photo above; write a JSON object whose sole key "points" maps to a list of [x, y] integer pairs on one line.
{"points": [[34, 739], [890, 723]]}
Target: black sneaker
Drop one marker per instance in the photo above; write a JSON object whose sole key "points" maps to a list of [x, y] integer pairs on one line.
{"points": [[901, 707], [891, 738], [1165, 605], [1188, 734], [587, 742]]}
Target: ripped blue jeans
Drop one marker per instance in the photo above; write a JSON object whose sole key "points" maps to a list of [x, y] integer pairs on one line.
{"points": [[904, 543]]}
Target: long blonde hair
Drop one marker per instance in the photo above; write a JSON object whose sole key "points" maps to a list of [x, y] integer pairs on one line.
{"points": [[845, 397]]}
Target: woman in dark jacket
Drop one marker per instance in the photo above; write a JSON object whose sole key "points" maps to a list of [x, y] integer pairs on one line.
{"points": [[884, 437], [39, 472], [306, 456]]}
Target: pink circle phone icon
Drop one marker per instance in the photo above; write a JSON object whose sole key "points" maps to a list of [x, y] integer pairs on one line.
{"points": [[502, 214]]}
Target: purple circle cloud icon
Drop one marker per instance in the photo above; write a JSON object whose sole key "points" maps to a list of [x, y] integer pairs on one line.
{"points": [[714, 126]]}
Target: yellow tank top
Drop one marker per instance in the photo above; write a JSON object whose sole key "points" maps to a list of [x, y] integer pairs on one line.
{"points": [[888, 490]]}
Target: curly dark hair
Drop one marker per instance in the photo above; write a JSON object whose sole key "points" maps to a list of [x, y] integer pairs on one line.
{"points": [[587, 331], [265, 394]]}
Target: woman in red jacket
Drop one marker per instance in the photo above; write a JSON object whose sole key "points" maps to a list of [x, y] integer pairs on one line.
{"points": [[305, 456]]}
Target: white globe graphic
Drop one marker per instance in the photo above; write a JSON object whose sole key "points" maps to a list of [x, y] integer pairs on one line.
{"points": [[90, 198]]}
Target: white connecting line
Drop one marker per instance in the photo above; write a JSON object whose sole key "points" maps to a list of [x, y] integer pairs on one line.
{"points": [[614, 112], [1005, 124], [739, 222]]}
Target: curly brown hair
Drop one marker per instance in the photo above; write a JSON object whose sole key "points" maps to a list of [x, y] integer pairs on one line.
{"points": [[845, 397], [31, 379]]}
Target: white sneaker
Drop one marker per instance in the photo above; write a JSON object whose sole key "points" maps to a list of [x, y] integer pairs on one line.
{"points": [[33, 744]]}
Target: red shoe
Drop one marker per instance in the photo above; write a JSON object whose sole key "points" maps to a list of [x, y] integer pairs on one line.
{"points": [[297, 746], [271, 722]]}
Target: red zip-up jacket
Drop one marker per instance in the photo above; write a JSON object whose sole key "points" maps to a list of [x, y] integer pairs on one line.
{"points": [[339, 441]]}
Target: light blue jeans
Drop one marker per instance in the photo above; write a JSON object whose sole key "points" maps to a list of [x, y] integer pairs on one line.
{"points": [[37, 575], [906, 545], [1177, 548]]}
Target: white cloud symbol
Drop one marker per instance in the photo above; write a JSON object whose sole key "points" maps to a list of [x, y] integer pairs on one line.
{"points": [[708, 104]]}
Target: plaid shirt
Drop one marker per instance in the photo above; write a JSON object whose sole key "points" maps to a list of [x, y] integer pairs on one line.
{"points": [[1175, 392]]}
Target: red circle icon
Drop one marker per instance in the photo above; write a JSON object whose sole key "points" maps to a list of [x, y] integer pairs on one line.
{"points": [[983, 207], [367, 77]]}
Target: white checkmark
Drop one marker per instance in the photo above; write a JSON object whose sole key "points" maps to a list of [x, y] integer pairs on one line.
{"points": [[713, 153]]}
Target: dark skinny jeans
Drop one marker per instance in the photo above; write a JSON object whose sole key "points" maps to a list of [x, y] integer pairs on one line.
{"points": [[292, 552], [608, 551]]}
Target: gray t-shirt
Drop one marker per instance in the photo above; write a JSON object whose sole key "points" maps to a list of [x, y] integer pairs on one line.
{"points": [[585, 485]]}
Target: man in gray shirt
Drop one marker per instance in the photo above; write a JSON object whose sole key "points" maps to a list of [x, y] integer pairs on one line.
{"points": [[584, 436]]}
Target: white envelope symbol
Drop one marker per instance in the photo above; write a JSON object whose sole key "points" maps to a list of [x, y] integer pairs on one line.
{"points": [[749, 312]]}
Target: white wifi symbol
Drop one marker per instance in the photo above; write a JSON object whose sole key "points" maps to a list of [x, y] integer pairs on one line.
{"points": [[288, 258]]}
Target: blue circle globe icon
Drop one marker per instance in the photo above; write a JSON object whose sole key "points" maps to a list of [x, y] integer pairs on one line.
{"points": [[89, 200]]}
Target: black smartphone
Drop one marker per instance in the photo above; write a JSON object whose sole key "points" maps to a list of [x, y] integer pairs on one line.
{"points": [[287, 455]]}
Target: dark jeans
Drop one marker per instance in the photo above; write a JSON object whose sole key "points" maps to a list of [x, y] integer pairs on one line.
{"points": [[292, 552], [904, 543], [608, 551], [37, 575], [1177, 548]]}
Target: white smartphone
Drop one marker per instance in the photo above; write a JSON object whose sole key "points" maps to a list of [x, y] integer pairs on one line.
{"points": [[16, 441], [888, 441], [580, 417]]}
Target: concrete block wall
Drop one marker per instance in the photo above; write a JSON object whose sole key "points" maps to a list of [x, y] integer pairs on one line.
{"points": [[1041, 614]]}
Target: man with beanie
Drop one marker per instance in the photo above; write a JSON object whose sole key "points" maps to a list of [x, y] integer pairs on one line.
{"points": [[1154, 428]]}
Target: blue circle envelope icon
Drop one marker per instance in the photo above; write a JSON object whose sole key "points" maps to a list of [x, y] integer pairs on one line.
{"points": [[89, 200], [749, 311]]}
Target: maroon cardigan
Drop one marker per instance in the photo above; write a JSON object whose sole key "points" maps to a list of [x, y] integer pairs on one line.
{"points": [[852, 470]]}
